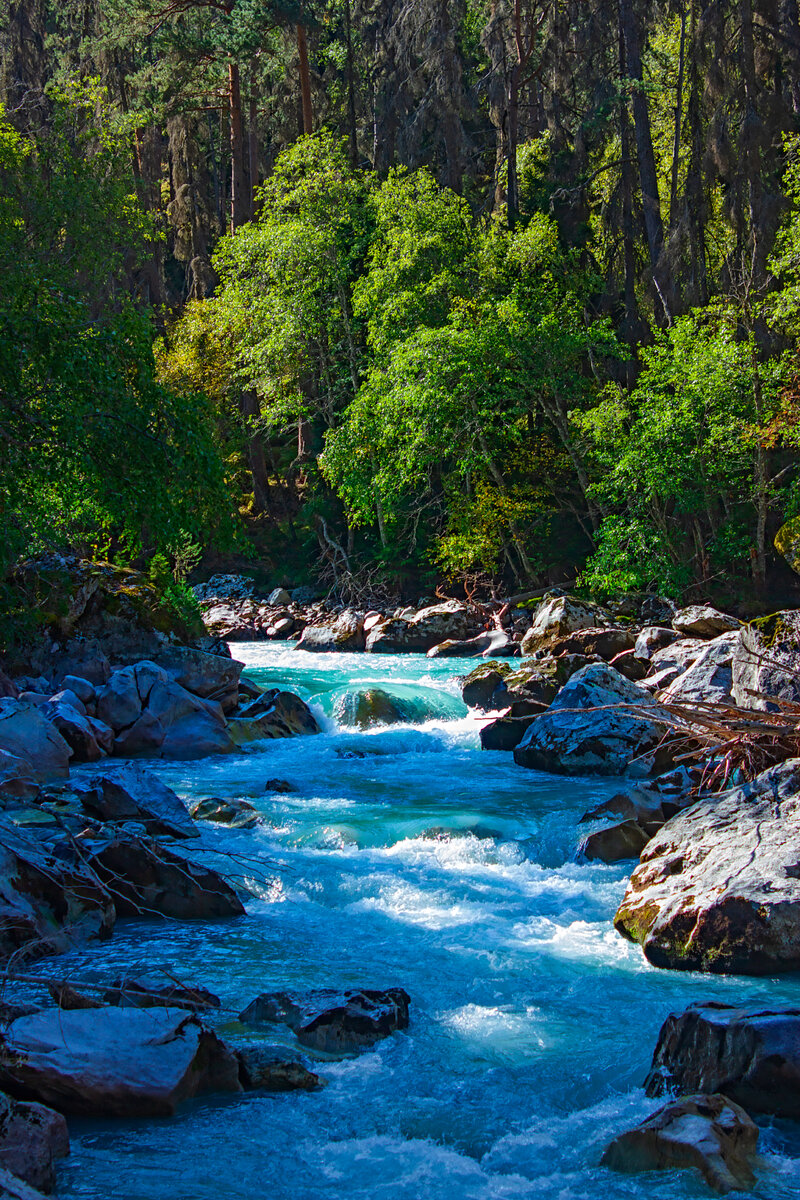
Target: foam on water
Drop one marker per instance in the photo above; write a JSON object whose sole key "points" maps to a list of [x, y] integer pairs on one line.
{"points": [[406, 856]]}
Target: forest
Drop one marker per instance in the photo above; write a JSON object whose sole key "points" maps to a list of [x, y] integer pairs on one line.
{"points": [[385, 295]]}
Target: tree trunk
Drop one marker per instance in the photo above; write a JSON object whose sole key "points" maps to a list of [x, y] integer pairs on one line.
{"points": [[305, 80], [512, 190], [237, 147], [250, 410], [695, 194], [676, 138], [352, 140], [252, 146], [632, 325], [648, 177], [790, 28]]}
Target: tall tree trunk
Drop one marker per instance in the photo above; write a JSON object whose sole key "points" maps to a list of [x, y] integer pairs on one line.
{"points": [[237, 147], [305, 80], [676, 137], [751, 158], [695, 193], [648, 177], [250, 410], [252, 146], [352, 139], [790, 28], [632, 325]]}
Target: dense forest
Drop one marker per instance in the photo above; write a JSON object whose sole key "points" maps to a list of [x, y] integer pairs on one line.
{"points": [[387, 294]]}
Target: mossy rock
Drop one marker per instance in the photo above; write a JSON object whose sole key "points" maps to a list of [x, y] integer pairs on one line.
{"points": [[787, 543]]}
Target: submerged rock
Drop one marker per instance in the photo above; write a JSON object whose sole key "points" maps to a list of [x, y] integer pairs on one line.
{"points": [[752, 1055], [708, 1134], [591, 729], [718, 889], [333, 1021], [32, 1139], [237, 814], [144, 993], [617, 842], [120, 1062], [271, 1069]]}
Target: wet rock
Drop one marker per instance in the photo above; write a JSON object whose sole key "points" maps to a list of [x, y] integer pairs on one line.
{"points": [[701, 620], [766, 661], [709, 678], [50, 898], [652, 639], [70, 999], [284, 715], [557, 617], [505, 733], [281, 786], [617, 842], [32, 1139], [333, 1021], [477, 688], [270, 1069], [18, 780], [718, 889], [495, 642], [237, 814], [129, 793], [589, 729], [708, 1134], [148, 879], [372, 706], [346, 633], [122, 1062], [27, 734], [144, 993], [752, 1055]]}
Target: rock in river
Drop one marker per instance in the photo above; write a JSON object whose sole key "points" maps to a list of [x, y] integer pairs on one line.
{"points": [[751, 1055], [32, 1137], [333, 1021], [130, 793], [718, 889], [590, 728], [710, 1134], [120, 1062]]}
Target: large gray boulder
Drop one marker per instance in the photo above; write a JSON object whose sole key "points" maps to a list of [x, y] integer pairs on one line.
{"points": [[50, 898], [600, 723], [276, 714], [79, 731], [27, 734], [330, 1020], [146, 879], [718, 889], [18, 780], [558, 616], [210, 676], [119, 1062], [129, 793], [32, 1139], [752, 1055], [651, 639], [419, 631], [708, 1134], [701, 620], [710, 677], [766, 662], [346, 633]]}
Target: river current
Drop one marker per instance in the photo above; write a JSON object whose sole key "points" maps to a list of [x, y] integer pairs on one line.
{"points": [[407, 856]]}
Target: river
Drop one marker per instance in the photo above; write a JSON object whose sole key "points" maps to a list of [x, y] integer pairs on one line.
{"points": [[407, 856]]}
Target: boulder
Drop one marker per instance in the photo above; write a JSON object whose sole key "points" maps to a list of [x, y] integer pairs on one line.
{"points": [[32, 1138], [477, 688], [701, 620], [8, 689], [718, 889], [280, 787], [282, 715], [766, 663], [18, 780], [225, 587], [679, 656], [278, 597], [282, 629], [271, 1069], [365, 707], [710, 677], [82, 688], [651, 639], [590, 728], [193, 727], [496, 642], [615, 843], [558, 616], [146, 879], [330, 1020], [50, 898], [346, 633], [604, 643], [27, 734], [708, 1134], [419, 631], [236, 814], [752, 1055], [210, 676], [130, 793], [505, 733], [77, 731], [121, 1062], [145, 993]]}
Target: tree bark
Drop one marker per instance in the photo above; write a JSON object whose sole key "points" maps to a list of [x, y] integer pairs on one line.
{"points": [[250, 410], [305, 80], [352, 140], [252, 146], [676, 138], [237, 147], [648, 177]]}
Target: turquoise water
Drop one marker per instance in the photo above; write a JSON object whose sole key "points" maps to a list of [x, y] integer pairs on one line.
{"points": [[407, 856]]}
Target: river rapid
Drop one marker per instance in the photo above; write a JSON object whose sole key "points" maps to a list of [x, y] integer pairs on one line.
{"points": [[407, 856]]}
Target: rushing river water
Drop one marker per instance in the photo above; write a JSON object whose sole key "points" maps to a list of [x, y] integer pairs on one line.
{"points": [[407, 856]]}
